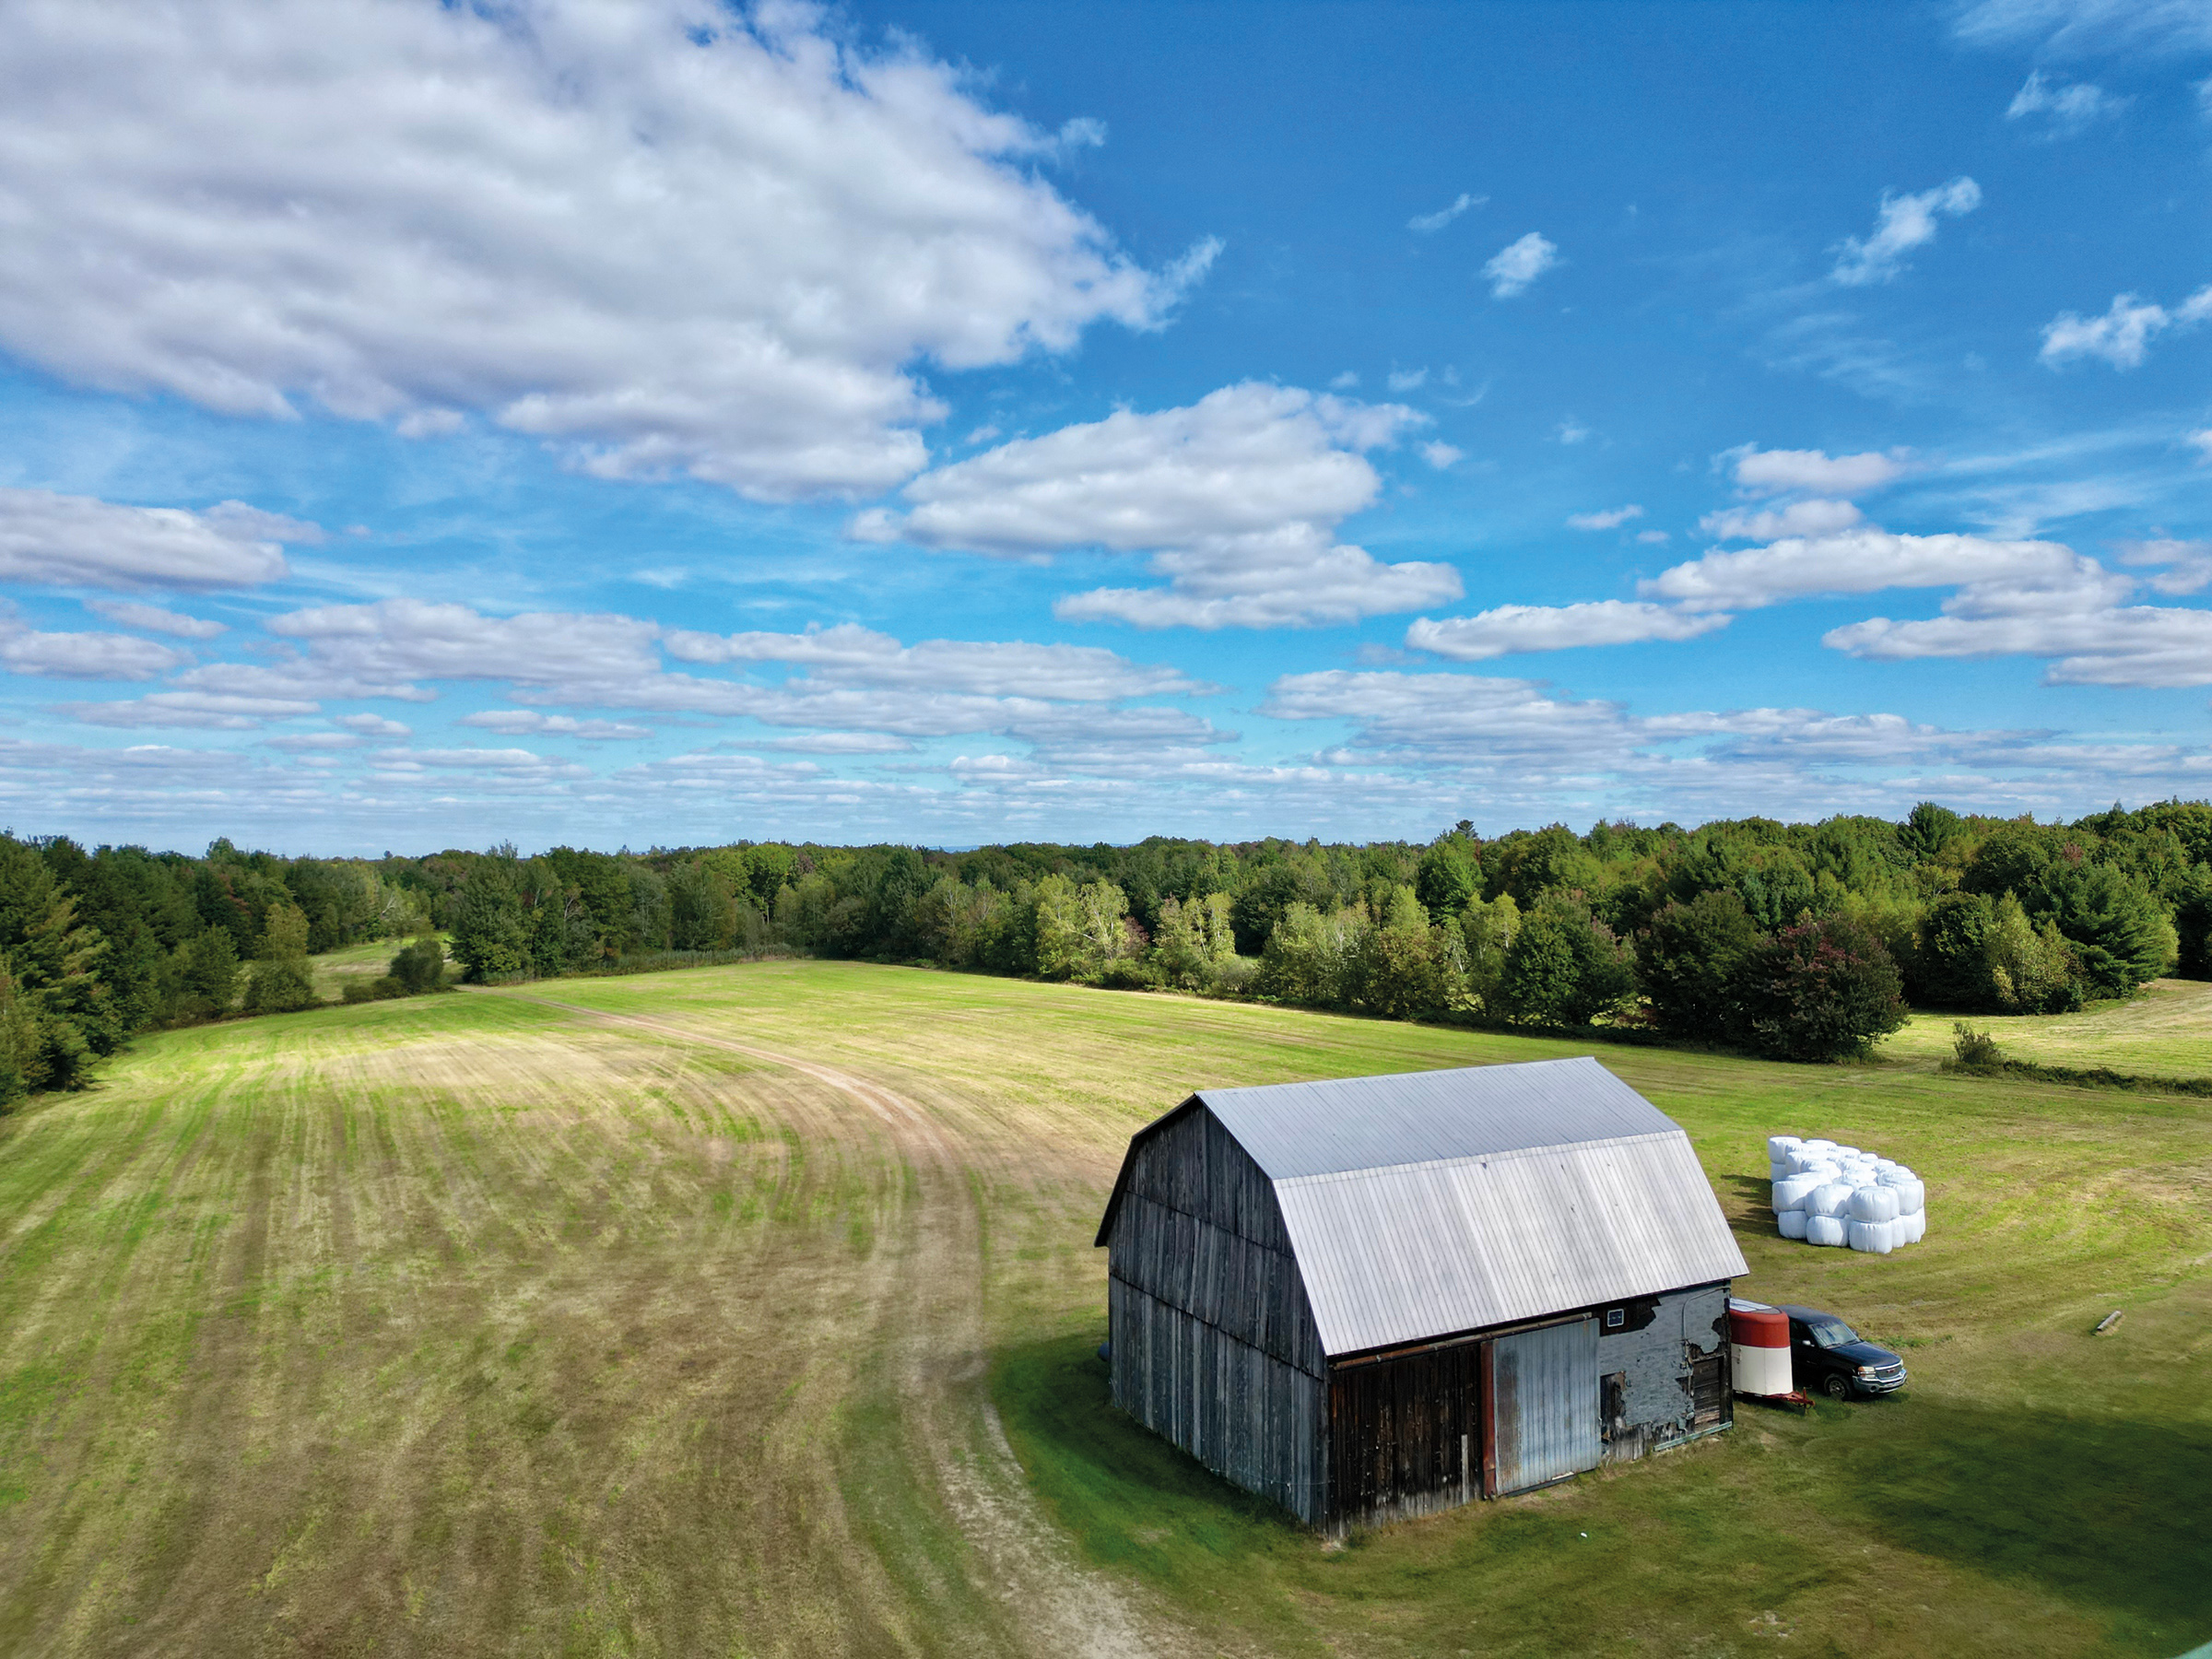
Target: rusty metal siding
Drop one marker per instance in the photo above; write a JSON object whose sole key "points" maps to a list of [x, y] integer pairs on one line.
{"points": [[1666, 1373], [1398, 1255], [1243, 1414], [1543, 1409]]}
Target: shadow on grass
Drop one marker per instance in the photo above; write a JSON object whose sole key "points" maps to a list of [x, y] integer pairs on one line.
{"points": [[1755, 1194], [2104, 1513], [1131, 1498]]}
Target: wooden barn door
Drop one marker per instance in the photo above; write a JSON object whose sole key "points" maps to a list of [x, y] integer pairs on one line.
{"points": [[1542, 1413]]}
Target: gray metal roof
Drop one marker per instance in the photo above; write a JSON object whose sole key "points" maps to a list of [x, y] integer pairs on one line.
{"points": [[1434, 1203], [1294, 1129]]}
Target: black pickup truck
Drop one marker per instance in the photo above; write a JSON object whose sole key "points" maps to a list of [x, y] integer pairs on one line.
{"points": [[1829, 1355]]}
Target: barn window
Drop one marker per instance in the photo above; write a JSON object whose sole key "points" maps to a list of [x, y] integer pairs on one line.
{"points": [[1616, 1318]]}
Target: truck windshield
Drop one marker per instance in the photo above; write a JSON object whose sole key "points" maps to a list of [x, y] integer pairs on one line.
{"points": [[1831, 1333]]}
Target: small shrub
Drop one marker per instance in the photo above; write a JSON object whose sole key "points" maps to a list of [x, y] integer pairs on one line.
{"points": [[420, 966], [1974, 1050], [280, 986]]}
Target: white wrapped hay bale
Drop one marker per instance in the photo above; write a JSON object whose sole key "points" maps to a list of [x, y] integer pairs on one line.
{"points": [[1825, 1230], [1872, 1237], [1792, 1222], [1775, 1172], [1873, 1204], [1792, 1191], [1845, 1154], [1830, 1200], [1779, 1146], [1912, 1226]]}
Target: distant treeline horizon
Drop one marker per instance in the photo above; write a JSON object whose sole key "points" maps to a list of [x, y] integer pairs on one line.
{"points": [[1802, 940]]}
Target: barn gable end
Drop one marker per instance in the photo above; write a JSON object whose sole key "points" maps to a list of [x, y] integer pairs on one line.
{"points": [[1213, 1343]]}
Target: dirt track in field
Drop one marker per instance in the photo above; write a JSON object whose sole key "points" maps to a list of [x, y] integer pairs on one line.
{"points": [[927, 1314], [497, 1326]]}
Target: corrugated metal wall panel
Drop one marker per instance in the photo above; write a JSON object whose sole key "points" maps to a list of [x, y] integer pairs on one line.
{"points": [[1544, 1412]]}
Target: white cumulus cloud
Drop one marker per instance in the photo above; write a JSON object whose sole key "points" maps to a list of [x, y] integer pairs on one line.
{"points": [[1235, 499], [529, 722], [1781, 472], [1904, 222], [154, 619], [1611, 519], [2122, 336], [94, 656], [78, 541], [1518, 263], [1511, 627], [664, 237], [1861, 560]]}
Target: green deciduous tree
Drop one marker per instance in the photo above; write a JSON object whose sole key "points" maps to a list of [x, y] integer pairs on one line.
{"points": [[1688, 958], [1564, 967], [489, 937], [1821, 989]]}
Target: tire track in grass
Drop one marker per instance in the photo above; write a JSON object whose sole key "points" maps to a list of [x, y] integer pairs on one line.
{"points": [[930, 1324]]}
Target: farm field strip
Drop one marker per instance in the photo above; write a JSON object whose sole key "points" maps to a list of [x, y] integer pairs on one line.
{"points": [[668, 1314]]}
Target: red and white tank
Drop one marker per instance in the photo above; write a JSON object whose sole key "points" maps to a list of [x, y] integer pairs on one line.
{"points": [[1758, 1347]]}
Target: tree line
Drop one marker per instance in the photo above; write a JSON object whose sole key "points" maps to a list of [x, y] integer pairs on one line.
{"points": [[1801, 941]]}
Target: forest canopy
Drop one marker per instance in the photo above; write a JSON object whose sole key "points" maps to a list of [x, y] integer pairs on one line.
{"points": [[1798, 940]]}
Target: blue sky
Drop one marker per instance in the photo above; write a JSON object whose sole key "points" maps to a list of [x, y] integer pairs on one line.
{"points": [[663, 423]]}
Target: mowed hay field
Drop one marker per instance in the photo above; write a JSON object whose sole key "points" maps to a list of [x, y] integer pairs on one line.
{"points": [[750, 1310]]}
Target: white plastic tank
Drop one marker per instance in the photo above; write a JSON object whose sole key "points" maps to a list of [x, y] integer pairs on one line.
{"points": [[1758, 1347], [1824, 1229]]}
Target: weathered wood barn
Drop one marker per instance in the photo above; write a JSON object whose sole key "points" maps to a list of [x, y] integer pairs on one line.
{"points": [[1383, 1296]]}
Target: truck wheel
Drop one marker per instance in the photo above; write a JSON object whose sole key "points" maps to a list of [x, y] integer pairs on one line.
{"points": [[1837, 1387]]}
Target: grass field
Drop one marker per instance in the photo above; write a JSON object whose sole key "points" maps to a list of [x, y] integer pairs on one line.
{"points": [[749, 1310], [2165, 1033]]}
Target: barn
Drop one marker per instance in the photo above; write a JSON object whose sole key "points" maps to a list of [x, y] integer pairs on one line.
{"points": [[1378, 1297]]}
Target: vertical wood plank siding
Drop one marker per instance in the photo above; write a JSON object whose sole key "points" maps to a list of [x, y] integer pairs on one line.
{"points": [[1213, 1344], [1244, 1415], [1404, 1436]]}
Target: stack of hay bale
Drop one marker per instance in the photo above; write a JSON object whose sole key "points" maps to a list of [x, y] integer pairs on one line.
{"points": [[1827, 1193]]}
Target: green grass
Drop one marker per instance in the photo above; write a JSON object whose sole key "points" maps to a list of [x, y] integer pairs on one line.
{"points": [[467, 1324], [2164, 1032]]}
